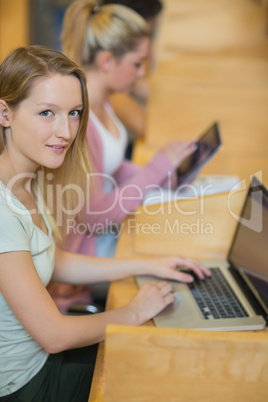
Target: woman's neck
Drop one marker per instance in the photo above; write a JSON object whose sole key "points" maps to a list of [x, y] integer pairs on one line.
{"points": [[97, 90], [14, 177]]}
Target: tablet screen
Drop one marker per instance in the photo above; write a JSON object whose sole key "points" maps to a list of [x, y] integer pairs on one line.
{"points": [[207, 145]]}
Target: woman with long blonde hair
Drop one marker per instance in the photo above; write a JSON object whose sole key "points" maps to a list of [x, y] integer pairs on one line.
{"points": [[45, 355]]}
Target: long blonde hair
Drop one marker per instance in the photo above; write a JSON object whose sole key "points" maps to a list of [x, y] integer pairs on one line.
{"points": [[18, 73], [88, 29]]}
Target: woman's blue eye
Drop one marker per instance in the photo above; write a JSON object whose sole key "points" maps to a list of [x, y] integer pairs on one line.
{"points": [[75, 113], [46, 113]]}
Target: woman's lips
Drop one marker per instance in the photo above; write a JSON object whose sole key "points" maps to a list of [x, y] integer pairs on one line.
{"points": [[57, 148]]}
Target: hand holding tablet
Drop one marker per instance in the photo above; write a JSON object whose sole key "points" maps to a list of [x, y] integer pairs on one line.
{"points": [[206, 146]]}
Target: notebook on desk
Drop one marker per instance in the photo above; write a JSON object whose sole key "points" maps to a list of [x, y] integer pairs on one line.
{"points": [[236, 295], [202, 185]]}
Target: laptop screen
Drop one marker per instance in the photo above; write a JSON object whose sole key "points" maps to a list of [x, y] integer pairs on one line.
{"points": [[249, 250]]}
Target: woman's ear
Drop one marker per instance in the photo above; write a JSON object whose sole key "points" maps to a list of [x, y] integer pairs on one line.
{"points": [[4, 121], [104, 60]]}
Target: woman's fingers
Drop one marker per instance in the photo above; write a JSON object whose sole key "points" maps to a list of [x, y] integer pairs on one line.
{"points": [[200, 270], [177, 151], [165, 288], [193, 265], [152, 298]]}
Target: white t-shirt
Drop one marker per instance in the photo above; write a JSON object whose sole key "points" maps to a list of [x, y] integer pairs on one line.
{"points": [[21, 357]]}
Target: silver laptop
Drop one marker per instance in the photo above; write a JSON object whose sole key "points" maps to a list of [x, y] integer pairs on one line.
{"points": [[235, 297]]}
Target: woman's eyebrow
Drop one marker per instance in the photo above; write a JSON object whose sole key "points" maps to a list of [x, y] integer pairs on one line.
{"points": [[47, 104], [78, 106]]}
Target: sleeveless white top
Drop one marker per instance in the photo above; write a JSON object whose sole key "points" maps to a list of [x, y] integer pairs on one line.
{"points": [[114, 148]]}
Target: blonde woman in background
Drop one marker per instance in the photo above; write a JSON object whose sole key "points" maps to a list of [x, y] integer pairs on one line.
{"points": [[111, 44], [44, 355], [131, 107]]}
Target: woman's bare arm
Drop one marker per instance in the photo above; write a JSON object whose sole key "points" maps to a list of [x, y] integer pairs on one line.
{"points": [[37, 312], [80, 269]]}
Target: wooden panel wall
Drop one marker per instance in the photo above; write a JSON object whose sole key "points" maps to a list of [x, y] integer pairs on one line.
{"points": [[14, 25]]}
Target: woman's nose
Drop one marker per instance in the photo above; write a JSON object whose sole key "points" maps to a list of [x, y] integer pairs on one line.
{"points": [[63, 129]]}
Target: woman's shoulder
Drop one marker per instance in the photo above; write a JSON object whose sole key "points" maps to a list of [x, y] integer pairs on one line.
{"points": [[13, 214]]}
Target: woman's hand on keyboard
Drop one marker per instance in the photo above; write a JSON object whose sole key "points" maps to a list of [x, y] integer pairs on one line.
{"points": [[152, 298], [170, 268]]}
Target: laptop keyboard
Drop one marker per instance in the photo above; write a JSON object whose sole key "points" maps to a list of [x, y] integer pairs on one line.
{"points": [[215, 298]]}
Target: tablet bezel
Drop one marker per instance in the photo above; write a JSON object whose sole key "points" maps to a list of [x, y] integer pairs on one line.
{"points": [[186, 175]]}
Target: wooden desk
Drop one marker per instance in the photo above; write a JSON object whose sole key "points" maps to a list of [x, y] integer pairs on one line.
{"points": [[164, 365], [121, 292], [201, 227]]}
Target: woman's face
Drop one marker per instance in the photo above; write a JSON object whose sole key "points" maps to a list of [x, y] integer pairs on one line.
{"points": [[46, 123], [130, 67]]}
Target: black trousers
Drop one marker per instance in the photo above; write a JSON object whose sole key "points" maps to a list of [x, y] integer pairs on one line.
{"points": [[65, 377]]}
